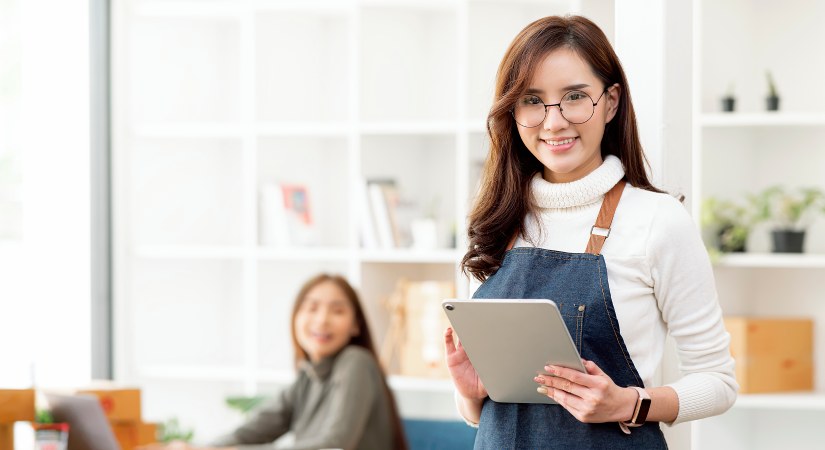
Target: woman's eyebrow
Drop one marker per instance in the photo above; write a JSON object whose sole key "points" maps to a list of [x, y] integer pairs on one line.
{"points": [[566, 88]]}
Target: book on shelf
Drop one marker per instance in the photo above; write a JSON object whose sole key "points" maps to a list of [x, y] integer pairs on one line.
{"points": [[286, 215]]}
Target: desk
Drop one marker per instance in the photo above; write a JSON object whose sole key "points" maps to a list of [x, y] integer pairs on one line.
{"points": [[16, 405]]}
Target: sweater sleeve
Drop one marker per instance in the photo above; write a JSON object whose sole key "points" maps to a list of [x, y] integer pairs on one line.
{"points": [[685, 291], [268, 423], [355, 386]]}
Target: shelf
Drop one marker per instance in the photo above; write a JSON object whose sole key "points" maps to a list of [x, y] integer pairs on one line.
{"points": [[226, 8], [189, 252], [779, 119], [303, 254], [408, 127], [451, 256], [772, 261], [193, 373], [809, 401]]}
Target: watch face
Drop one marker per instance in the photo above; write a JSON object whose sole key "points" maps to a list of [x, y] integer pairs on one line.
{"points": [[644, 407]]}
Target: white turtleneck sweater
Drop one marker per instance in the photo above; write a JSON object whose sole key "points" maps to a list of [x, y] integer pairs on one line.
{"points": [[660, 279]]}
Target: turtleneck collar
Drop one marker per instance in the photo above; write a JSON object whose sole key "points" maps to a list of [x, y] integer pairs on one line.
{"points": [[319, 371], [585, 191]]}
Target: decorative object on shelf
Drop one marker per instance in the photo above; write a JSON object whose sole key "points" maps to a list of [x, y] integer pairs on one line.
{"points": [[772, 354], [171, 430], [728, 100], [415, 333], [424, 229], [790, 213], [728, 222], [286, 216], [244, 405], [772, 100]]}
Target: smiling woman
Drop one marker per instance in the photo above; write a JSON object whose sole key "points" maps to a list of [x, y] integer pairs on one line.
{"points": [[340, 398]]}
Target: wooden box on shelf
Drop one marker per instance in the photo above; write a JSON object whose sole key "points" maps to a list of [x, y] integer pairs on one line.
{"points": [[772, 354], [134, 434]]}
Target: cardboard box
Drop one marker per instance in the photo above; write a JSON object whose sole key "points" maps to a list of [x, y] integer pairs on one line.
{"points": [[16, 405], [772, 354], [131, 435], [119, 404]]}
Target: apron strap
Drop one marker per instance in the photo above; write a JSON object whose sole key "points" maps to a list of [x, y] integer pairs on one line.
{"points": [[601, 230]]}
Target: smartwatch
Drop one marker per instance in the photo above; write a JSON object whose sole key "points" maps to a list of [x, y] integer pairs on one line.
{"points": [[639, 412]]}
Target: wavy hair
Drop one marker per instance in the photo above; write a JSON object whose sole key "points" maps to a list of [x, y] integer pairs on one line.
{"points": [[504, 198]]}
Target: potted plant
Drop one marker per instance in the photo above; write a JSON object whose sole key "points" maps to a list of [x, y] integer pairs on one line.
{"points": [[728, 223], [790, 212], [772, 101], [728, 100]]}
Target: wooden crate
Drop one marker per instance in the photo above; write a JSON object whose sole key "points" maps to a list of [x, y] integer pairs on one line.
{"points": [[772, 354]]}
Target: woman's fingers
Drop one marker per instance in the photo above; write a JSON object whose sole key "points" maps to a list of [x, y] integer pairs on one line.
{"points": [[448, 341]]}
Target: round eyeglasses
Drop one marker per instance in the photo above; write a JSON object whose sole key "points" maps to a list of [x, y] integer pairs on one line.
{"points": [[575, 106]]}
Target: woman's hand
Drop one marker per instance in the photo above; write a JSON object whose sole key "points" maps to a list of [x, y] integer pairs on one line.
{"points": [[590, 397], [463, 373]]}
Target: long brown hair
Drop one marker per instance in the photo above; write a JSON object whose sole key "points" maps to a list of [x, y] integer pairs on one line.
{"points": [[363, 339], [504, 199]]}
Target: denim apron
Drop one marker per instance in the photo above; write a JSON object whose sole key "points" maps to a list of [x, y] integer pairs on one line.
{"points": [[577, 282]]}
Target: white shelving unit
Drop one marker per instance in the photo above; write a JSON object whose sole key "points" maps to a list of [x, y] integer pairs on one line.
{"points": [[746, 151], [212, 99]]}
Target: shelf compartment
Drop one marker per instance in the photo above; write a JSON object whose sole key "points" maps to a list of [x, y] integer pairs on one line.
{"points": [[422, 169], [410, 73], [320, 167], [185, 313], [315, 43], [186, 192], [184, 70], [332, 254]]}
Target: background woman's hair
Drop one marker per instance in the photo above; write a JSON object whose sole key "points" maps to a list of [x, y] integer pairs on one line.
{"points": [[363, 339], [504, 198]]}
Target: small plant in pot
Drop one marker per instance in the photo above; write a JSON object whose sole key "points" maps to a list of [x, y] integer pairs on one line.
{"points": [[727, 222], [790, 212], [728, 100], [772, 100]]}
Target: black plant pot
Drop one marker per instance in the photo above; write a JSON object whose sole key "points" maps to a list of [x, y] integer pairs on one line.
{"points": [[728, 104], [772, 103], [788, 241]]}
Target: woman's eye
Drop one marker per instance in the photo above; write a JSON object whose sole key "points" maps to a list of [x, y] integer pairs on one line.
{"points": [[531, 100], [575, 96]]}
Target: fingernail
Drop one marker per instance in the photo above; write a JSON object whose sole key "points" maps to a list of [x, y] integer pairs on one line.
{"points": [[541, 390], [538, 380], [551, 369]]}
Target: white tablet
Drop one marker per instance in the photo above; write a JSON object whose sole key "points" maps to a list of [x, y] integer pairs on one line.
{"points": [[510, 341]]}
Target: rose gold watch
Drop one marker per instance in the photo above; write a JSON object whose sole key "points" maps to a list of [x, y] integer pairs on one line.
{"points": [[639, 412]]}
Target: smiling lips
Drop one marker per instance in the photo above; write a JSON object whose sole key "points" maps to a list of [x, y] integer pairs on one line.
{"points": [[560, 145]]}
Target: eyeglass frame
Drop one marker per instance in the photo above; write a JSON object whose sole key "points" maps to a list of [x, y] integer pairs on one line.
{"points": [[561, 111]]}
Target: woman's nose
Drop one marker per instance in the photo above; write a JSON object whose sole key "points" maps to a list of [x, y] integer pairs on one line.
{"points": [[554, 120]]}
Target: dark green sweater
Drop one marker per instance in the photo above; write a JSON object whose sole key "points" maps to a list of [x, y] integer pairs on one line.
{"points": [[337, 403]]}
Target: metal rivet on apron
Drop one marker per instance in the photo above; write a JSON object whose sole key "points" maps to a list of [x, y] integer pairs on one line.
{"points": [[581, 307]]}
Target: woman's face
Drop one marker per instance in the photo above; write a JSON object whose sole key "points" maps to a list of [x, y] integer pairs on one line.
{"points": [[568, 151], [325, 321]]}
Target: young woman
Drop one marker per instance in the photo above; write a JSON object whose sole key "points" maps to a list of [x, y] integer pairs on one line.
{"points": [[566, 212], [340, 398]]}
